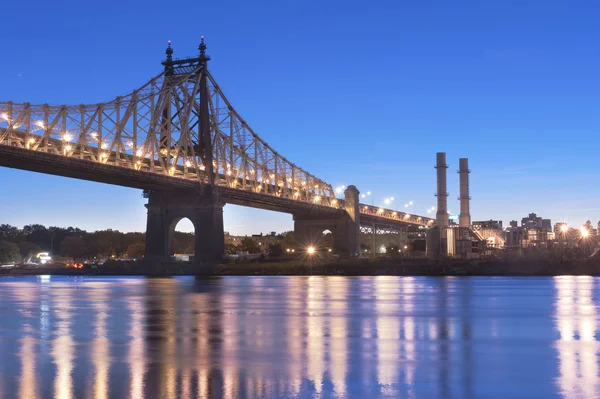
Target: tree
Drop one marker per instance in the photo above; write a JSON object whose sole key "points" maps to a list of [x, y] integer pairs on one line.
{"points": [[249, 245], [9, 233], [9, 252], [231, 249], [288, 240], [136, 250], [73, 246], [29, 248], [275, 250]]}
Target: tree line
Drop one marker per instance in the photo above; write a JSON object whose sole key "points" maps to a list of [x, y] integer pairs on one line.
{"points": [[71, 242]]}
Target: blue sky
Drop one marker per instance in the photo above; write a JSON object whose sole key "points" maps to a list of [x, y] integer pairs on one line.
{"points": [[361, 93]]}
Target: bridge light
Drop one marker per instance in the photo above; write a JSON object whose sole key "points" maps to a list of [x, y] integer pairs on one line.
{"points": [[188, 163], [104, 146], [4, 116], [317, 198], [296, 194], [39, 124], [407, 216], [394, 213], [68, 148], [584, 232], [334, 202], [31, 140], [94, 135], [67, 137], [310, 250], [380, 210]]}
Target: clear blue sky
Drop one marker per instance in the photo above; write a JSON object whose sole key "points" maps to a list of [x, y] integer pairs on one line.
{"points": [[361, 93]]}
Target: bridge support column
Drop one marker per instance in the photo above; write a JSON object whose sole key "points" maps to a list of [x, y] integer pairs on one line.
{"points": [[201, 206], [351, 224], [345, 227]]}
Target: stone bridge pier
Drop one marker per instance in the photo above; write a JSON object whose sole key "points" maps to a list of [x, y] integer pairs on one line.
{"points": [[345, 226], [201, 206]]}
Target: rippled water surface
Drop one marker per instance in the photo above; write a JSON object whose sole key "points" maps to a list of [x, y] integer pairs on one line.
{"points": [[297, 337]]}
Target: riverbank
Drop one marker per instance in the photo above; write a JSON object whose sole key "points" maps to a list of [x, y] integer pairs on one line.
{"points": [[355, 267]]}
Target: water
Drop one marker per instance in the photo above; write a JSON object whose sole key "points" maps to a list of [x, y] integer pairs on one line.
{"points": [[299, 337]]}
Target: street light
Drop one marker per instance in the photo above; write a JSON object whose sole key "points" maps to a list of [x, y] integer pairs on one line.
{"points": [[310, 250]]}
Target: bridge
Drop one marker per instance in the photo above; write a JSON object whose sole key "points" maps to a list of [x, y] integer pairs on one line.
{"points": [[180, 140]]}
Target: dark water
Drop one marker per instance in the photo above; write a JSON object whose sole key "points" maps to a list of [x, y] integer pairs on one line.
{"points": [[271, 337]]}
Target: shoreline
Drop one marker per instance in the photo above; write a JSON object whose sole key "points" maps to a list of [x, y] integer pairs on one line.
{"points": [[359, 267]]}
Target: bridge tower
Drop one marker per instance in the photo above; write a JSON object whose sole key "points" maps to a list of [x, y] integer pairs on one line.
{"points": [[201, 205], [345, 225]]}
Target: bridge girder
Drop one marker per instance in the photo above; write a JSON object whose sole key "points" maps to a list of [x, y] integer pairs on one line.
{"points": [[159, 129]]}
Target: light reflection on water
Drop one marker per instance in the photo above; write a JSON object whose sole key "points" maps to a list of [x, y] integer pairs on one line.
{"points": [[273, 337]]}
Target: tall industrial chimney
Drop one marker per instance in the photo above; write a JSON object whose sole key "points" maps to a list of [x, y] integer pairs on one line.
{"points": [[442, 209], [464, 220]]}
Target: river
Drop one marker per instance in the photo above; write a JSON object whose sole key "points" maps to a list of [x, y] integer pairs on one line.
{"points": [[299, 337]]}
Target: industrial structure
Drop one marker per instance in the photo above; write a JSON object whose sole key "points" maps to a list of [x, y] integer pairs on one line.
{"points": [[180, 140], [450, 240]]}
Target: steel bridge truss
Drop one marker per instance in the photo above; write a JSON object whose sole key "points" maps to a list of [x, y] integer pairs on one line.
{"points": [[179, 124], [158, 128]]}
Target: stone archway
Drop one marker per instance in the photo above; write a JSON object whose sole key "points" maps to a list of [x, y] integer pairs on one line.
{"points": [[183, 243], [204, 210]]}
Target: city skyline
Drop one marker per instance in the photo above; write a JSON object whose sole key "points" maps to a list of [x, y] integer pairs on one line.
{"points": [[496, 102]]}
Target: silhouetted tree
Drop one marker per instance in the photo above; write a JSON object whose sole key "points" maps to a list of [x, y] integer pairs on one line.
{"points": [[136, 250], [74, 247], [29, 248], [249, 245], [275, 250], [231, 249], [10, 233], [9, 252], [288, 240]]}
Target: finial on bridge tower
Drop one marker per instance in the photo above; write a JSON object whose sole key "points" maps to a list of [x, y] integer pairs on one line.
{"points": [[202, 48], [169, 52]]}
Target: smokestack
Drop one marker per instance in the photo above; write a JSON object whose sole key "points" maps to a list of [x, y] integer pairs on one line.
{"points": [[442, 209], [463, 171]]}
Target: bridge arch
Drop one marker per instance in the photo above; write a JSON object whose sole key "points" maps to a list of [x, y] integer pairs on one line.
{"points": [[183, 243]]}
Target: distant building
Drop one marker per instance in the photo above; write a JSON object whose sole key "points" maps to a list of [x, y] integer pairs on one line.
{"points": [[533, 221], [514, 223], [514, 237], [488, 224], [546, 225], [558, 228]]}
